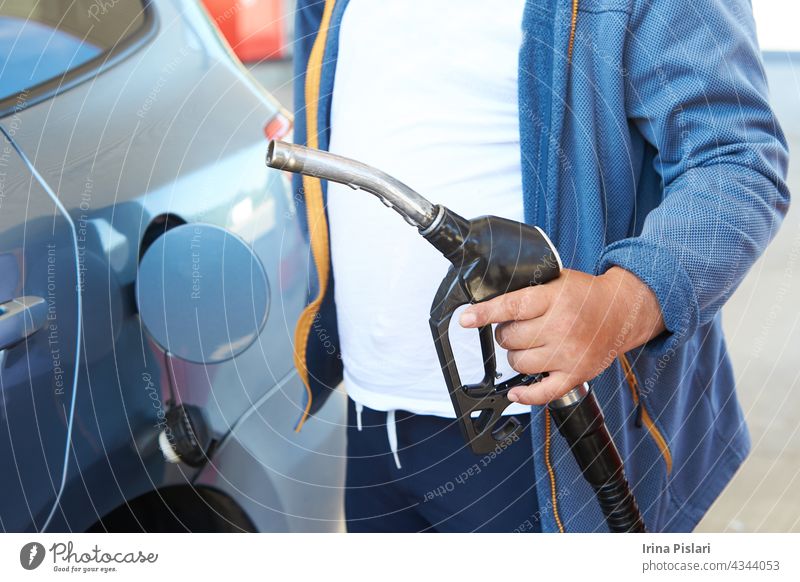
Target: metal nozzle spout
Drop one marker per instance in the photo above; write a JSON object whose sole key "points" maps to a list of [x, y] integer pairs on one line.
{"points": [[417, 210], [280, 158]]}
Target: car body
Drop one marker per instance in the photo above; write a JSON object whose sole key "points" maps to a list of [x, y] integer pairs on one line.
{"points": [[148, 124]]}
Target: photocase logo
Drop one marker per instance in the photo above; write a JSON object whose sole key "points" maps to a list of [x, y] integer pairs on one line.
{"points": [[31, 555]]}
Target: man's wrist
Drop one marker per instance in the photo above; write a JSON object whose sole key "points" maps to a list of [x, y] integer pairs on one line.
{"points": [[638, 313]]}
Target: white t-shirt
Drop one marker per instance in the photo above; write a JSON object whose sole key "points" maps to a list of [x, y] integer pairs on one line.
{"points": [[426, 91]]}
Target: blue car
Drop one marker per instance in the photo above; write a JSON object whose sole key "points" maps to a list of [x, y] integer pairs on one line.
{"points": [[151, 271]]}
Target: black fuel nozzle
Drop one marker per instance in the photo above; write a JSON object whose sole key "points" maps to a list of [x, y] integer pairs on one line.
{"points": [[489, 256]]}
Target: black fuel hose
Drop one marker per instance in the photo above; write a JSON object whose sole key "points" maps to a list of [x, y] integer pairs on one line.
{"points": [[580, 421]]}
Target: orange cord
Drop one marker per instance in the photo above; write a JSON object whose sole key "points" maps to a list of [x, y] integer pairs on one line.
{"points": [[553, 492], [573, 25]]}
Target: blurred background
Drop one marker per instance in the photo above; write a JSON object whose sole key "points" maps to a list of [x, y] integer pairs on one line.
{"points": [[761, 322]]}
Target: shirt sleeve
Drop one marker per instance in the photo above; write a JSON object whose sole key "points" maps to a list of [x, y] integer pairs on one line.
{"points": [[695, 89]]}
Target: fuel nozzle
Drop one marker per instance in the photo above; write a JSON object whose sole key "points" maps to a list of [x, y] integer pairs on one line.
{"points": [[489, 256]]}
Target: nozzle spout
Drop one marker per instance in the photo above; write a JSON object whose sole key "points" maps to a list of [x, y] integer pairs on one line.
{"points": [[298, 159]]}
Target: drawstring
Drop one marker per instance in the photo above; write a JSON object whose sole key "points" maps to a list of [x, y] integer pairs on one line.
{"points": [[359, 410], [391, 430]]}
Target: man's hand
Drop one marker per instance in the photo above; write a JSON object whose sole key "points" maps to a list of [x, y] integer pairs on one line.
{"points": [[573, 327]]}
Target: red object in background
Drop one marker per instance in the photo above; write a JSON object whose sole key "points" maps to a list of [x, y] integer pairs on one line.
{"points": [[255, 29], [278, 127]]}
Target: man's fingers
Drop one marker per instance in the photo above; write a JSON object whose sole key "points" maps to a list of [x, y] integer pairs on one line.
{"points": [[554, 386], [520, 335], [533, 361], [522, 304]]}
